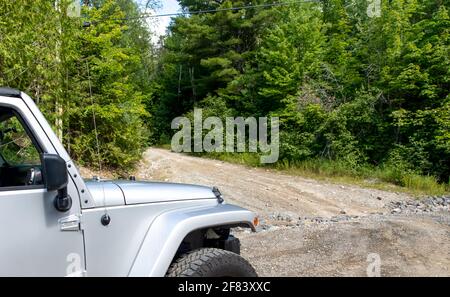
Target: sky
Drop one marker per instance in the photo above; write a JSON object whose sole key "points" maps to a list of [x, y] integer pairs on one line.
{"points": [[159, 25]]}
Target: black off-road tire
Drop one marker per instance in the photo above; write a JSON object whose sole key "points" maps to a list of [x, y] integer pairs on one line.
{"points": [[210, 262]]}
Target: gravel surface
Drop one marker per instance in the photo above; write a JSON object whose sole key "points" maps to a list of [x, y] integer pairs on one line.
{"points": [[315, 228], [406, 246]]}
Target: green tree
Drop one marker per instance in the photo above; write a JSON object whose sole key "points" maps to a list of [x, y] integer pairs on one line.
{"points": [[106, 122], [348, 86], [61, 64]]}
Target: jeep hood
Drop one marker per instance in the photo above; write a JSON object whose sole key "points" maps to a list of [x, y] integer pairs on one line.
{"points": [[116, 193]]}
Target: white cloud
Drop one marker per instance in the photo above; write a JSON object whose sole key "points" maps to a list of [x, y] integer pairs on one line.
{"points": [[159, 25]]}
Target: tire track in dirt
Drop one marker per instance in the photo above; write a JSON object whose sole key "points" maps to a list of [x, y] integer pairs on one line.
{"points": [[265, 191]]}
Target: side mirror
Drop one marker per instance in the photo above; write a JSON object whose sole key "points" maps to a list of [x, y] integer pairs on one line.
{"points": [[55, 175], [54, 171]]}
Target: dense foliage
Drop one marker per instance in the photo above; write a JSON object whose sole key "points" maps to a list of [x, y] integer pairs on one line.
{"points": [[359, 89], [92, 82], [362, 90]]}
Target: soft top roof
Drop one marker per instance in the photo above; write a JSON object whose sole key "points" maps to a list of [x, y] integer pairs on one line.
{"points": [[8, 92]]}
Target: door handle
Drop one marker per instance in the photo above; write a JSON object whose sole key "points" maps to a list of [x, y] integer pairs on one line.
{"points": [[70, 223]]}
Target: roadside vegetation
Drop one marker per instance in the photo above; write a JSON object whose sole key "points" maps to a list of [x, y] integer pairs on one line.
{"points": [[91, 76], [378, 177], [361, 96]]}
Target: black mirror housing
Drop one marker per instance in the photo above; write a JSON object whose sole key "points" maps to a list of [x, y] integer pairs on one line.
{"points": [[54, 171]]}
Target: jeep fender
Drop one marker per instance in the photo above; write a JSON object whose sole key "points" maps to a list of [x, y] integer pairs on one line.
{"points": [[168, 230]]}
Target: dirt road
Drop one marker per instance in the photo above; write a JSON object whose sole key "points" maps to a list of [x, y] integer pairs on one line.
{"points": [[314, 228], [264, 191]]}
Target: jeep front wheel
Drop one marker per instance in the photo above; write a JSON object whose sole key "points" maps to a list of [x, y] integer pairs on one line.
{"points": [[210, 262]]}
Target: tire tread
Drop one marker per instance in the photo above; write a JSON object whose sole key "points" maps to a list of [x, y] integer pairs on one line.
{"points": [[206, 261]]}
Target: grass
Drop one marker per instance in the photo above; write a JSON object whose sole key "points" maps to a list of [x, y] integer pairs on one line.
{"points": [[390, 178], [163, 146]]}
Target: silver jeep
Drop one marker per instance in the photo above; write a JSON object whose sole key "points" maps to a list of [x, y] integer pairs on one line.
{"points": [[54, 223]]}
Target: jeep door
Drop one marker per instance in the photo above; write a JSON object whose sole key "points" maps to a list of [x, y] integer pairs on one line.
{"points": [[32, 242]]}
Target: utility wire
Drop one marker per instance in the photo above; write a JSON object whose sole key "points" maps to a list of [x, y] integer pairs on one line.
{"points": [[197, 12], [147, 15]]}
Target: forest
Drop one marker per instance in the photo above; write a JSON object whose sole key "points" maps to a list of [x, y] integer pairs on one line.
{"points": [[359, 92]]}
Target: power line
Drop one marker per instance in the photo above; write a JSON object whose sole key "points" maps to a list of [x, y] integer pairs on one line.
{"points": [[147, 15]]}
